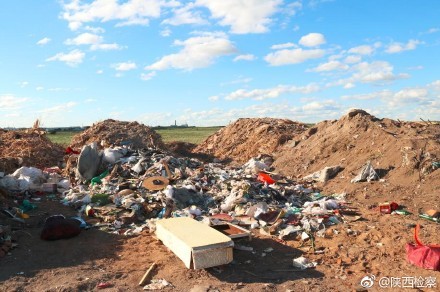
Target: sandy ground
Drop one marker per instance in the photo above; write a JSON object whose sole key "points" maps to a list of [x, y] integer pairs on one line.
{"points": [[374, 245]]}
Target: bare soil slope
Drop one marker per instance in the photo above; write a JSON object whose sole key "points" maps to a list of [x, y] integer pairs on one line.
{"points": [[114, 132], [27, 148], [247, 138], [401, 152]]}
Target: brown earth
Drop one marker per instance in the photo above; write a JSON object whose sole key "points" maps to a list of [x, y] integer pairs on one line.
{"points": [[112, 132], [401, 152], [247, 138], [373, 245], [28, 148]]}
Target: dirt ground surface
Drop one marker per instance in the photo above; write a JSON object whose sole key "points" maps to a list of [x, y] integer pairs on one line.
{"points": [[372, 245]]}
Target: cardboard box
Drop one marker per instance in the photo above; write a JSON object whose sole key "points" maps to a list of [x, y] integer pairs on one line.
{"points": [[198, 245], [232, 231]]}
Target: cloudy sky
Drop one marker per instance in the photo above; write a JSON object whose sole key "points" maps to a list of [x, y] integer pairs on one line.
{"points": [[209, 62]]}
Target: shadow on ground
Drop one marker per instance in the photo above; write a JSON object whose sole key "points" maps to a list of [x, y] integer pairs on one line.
{"points": [[274, 267], [33, 254]]}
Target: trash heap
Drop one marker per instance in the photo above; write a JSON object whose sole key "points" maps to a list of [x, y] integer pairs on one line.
{"points": [[123, 191]]}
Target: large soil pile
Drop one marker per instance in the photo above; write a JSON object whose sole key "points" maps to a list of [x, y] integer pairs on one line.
{"points": [[27, 148], [402, 153], [113, 132], [247, 138]]}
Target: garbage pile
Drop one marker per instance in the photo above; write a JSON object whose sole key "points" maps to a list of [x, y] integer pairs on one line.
{"points": [[29, 147], [247, 138], [111, 132], [125, 190]]}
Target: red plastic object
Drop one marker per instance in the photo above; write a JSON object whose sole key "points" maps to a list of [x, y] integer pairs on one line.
{"points": [[387, 208], [104, 285], [69, 150], [265, 178], [424, 256]]}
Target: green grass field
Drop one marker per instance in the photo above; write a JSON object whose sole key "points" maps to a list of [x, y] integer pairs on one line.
{"points": [[191, 135], [62, 138]]}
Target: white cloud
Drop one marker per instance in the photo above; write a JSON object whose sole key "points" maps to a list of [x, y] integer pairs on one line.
{"points": [[247, 57], [10, 102], [330, 66], [59, 108], [94, 29], [213, 98], [383, 94], [316, 106], [362, 50], [435, 85], [250, 16], [124, 66], [239, 80], [99, 71], [39, 88], [72, 58], [84, 39], [23, 84], [166, 32], [415, 96], [105, 47], [95, 41], [395, 47], [283, 46], [131, 12], [294, 56], [43, 41], [431, 30], [148, 76], [352, 59], [409, 96], [349, 85], [197, 52], [261, 94], [377, 71], [185, 15], [312, 40]]}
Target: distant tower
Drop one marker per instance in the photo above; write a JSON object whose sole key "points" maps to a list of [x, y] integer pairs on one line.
{"points": [[175, 123]]}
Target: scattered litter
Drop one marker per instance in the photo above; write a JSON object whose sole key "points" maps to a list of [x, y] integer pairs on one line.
{"points": [[325, 174], [424, 256], [157, 284], [367, 173], [303, 263]]}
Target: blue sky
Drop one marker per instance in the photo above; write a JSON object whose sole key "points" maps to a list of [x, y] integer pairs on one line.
{"points": [[210, 62]]}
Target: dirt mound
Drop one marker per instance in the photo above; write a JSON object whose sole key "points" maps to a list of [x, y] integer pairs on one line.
{"points": [[247, 138], [401, 152], [27, 148], [113, 132]]}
